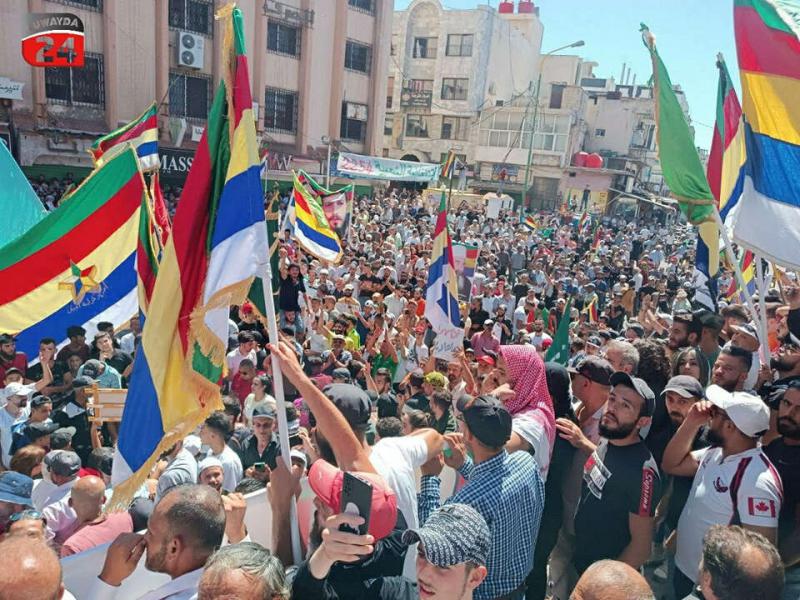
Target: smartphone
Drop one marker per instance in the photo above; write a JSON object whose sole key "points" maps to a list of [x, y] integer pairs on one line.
{"points": [[356, 500], [260, 466]]}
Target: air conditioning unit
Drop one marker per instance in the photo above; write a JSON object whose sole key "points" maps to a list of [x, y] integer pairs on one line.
{"points": [[190, 50]]}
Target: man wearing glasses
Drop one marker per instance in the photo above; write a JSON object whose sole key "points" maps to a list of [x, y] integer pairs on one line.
{"points": [[734, 481]]}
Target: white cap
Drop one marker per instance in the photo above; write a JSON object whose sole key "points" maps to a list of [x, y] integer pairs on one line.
{"points": [[748, 412], [208, 462], [192, 443]]}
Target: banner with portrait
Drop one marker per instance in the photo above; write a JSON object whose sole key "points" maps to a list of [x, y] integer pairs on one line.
{"points": [[465, 259]]}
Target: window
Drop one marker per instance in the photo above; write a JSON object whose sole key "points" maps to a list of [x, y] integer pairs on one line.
{"points": [[459, 44], [189, 96], [419, 85], [425, 47], [417, 126], [283, 38], [599, 132], [366, 6], [388, 125], [556, 95], [280, 110], [390, 92], [192, 15], [454, 89], [96, 5], [507, 130], [455, 128], [357, 57], [354, 122], [83, 86]]}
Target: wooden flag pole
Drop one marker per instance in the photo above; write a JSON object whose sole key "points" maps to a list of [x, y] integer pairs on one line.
{"points": [[277, 380]]}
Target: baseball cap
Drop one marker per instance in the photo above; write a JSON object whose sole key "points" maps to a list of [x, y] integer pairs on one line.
{"points": [[351, 401], [488, 323], [487, 419], [326, 481], [61, 438], [343, 374], [453, 534], [6, 338], [82, 382], [747, 329], [16, 488], [436, 379], [92, 368], [685, 386], [264, 409], [34, 431], [748, 412], [639, 386], [191, 443], [595, 369], [40, 401], [64, 462], [487, 360], [416, 378]]}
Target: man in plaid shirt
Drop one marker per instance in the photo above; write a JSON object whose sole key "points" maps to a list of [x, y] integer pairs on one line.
{"points": [[506, 489]]}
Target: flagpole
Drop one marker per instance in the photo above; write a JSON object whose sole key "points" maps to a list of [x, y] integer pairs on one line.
{"points": [[762, 291], [277, 382], [737, 269]]}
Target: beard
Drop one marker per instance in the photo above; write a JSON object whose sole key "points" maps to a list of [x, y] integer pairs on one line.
{"points": [[788, 428], [155, 562], [618, 432], [676, 418], [8, 357], [713, 437], [781, 364]]}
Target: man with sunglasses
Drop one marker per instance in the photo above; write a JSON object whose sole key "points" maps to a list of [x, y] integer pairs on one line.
{"points": [[734, 481]]}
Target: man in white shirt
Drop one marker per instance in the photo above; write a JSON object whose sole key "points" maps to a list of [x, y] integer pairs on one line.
{"points": [[15, 411], [215, 433], [734, 481], [246, 349], [185, 529], [61, 520]]}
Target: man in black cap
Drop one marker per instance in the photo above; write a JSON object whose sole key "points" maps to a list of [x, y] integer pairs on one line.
{"points": [[73, 414], [621, 483], [37, 434], [452, 560], [505, 488]]}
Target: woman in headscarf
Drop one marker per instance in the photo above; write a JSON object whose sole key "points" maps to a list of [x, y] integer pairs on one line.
{"points": [[522, 386]]}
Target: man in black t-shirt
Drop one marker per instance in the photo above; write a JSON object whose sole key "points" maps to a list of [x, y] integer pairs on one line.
{"points": [[621, 485], [784, 453], [291, 287]]}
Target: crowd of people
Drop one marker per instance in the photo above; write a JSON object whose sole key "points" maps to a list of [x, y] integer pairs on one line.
{"points": [[667, 445]]}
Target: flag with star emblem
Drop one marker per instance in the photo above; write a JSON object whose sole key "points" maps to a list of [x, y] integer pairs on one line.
{"points": [[76, 266]]}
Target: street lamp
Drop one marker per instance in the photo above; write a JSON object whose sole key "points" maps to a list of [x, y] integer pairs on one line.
{"points": [[577, 44]]}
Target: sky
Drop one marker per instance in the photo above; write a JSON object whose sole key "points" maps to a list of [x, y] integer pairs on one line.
{"points": [[689, 34]]}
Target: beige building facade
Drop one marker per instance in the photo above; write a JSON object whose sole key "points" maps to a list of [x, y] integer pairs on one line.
{"points": [[314, 70]]}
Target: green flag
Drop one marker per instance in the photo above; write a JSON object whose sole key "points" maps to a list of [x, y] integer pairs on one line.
{"points": [[680, 163], [20, 207], [559, 349], [256, 294]]}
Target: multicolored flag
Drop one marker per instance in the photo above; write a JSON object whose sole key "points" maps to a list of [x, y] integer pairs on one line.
{"points": [[531, 223], [311, 227], [441, 293], [768, 46], [583, 222], [680, 163], [141, 133], [256, 294], [591, 311], [162, 224], [559, 349], [747, 265], [76, 266], [217, 242], [449, 165], [21, 207], [148, 253]]}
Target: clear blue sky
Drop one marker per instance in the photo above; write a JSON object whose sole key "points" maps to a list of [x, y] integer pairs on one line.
{"points": [[689, 33]]}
